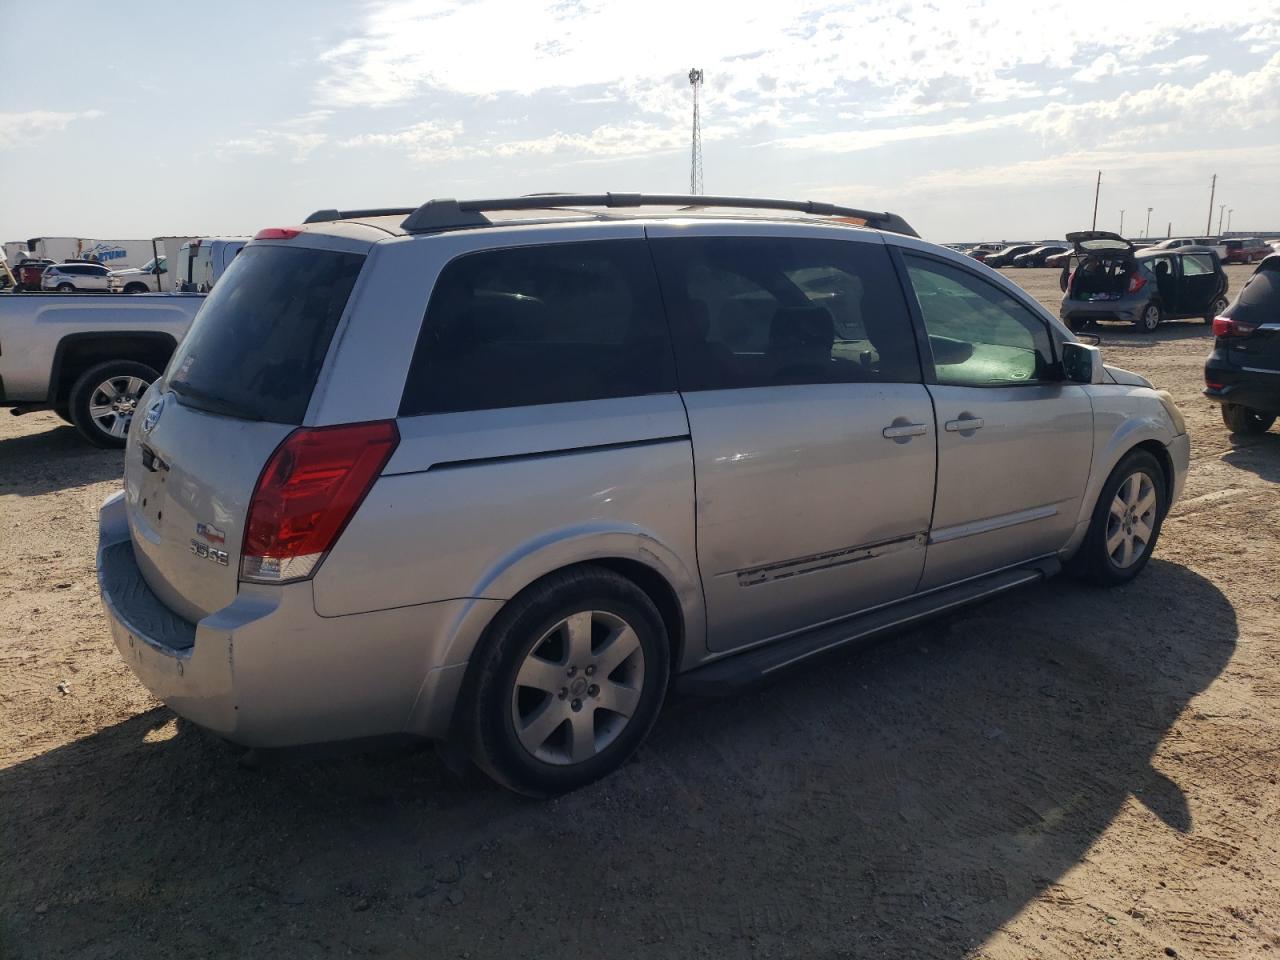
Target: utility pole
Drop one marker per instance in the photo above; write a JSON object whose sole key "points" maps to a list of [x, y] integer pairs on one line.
{"points": [[1230, 211], [1147, 231], [1097, 190], [1213, 187], [1221, 207], [1121, 231], [695, 162]]}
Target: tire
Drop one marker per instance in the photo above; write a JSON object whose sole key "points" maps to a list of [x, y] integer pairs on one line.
{"points": [[511, 729], [1149, 319], [1219, 304], [87, 397], [137, 288], [1102, 558], [1246, 420], [65, 288]]}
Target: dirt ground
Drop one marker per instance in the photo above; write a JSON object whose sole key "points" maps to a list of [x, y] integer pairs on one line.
{"points": [[1065, 772]]}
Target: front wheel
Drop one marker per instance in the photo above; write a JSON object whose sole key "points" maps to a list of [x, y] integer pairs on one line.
{"points": [[66, 288], [1242, 419], [567, 683], [1126, 522], [1148, 319], [1215, 309], [104, 399]]}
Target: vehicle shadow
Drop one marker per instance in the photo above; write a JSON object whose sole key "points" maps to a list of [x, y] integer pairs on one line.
{"points": [[1258, 454], [1124, 334], [32, 464], [903, 801]]}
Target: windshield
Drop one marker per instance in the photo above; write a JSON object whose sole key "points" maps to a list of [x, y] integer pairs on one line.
{"points": [[257, 344]]}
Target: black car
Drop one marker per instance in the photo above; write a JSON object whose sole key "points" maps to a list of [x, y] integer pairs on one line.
{"points": [[1005, 257], [1243, 372], [1036, 256]]}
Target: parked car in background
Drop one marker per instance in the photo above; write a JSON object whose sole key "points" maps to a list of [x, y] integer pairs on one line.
{"points": [[75, 277], [1004, 257], [144, 279], [1245, 250], [1058, 260], [1243, 371], [492, 483], [1107, 280], [29, 271], [203, 261], [984, 250], [1037, 256], [90, 357], [1216, 244]]}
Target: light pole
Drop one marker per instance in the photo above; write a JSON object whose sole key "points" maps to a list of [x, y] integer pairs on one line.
{"points": [[1230, 211], [1122, 223], [1147, 231], [1221, 207]]}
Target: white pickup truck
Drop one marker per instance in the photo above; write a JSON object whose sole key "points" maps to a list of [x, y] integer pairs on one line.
{"points": [[89, 357]]}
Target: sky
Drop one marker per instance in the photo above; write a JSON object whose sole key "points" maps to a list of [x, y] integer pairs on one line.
{"points": [[974, 120]]}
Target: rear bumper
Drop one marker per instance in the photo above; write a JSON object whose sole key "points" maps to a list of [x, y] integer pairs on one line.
{"points": [[1101, 309], [1257, 389], [268, 671]]}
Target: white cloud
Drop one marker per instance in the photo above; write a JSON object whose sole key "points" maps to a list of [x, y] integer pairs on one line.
{"points": [[425, 142], [21, 129], [298, 135]]}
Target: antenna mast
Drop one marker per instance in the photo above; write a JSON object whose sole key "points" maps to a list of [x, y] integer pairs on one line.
{"points": [[695, 164]]}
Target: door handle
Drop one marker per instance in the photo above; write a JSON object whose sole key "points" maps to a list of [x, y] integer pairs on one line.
{"points": [[905, 430], [964, 425]]}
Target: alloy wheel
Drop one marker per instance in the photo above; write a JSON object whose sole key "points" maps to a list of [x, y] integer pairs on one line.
{"points": [[578, 687], [1131, 522], [114, 402]]}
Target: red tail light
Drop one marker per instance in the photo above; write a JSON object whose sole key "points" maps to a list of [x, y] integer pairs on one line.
{"points": [[308, 491], [1136, 282], [277, 233], [1226, 327]]}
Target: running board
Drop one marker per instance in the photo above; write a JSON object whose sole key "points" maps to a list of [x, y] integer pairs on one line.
{"points": [[759, 663]]}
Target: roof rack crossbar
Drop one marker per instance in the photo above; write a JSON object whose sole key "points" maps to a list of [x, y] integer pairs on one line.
{"points": [[447, 214], [328, 216]]}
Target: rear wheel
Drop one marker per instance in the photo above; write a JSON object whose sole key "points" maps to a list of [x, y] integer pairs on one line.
{"points": [[1215, 309], [1241, 419], [104, 399], [1148, 319], [1126, 522], [567, 683]]}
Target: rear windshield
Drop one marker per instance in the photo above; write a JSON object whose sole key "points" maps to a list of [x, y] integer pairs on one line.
{"points": [[1259, 301], [257, 344]]}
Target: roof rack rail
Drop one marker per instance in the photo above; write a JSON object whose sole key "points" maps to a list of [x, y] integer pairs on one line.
{"points": [[459, 214], [327, 216]]}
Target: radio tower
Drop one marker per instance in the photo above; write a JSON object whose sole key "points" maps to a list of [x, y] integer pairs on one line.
{"points": [[695, 165]]}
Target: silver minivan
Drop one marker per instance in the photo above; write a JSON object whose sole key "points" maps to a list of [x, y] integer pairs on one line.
{"points": [[502, 473]]}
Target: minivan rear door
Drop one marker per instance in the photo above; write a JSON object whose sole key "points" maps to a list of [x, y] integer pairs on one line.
{"points": [[239, 383]]}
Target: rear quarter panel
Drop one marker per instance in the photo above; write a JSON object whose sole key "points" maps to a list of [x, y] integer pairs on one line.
{"points": [[32, 326]]}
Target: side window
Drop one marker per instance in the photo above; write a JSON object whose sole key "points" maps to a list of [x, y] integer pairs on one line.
{"points": [[764, 311], [979, 335], [541, 324], [1196, 265]]}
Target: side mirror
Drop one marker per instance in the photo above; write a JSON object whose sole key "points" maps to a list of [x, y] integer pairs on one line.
{"points": [[1082, 363]]}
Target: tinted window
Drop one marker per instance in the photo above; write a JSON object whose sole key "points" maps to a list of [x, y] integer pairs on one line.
{"points": [[1197, 265], [257, 343], [761, 311], [979, 335], [541, 324]]}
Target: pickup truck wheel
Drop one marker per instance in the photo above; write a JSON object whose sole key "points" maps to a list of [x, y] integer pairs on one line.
{"points": [[1242, 419], [567, 682], [1126, 522], [104, 398], [137, 288]]}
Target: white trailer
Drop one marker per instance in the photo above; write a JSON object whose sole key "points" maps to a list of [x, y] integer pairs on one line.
{"points": [[56, 249], [116, 254]]}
